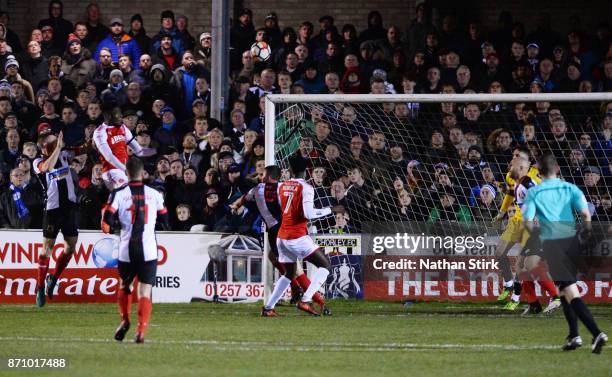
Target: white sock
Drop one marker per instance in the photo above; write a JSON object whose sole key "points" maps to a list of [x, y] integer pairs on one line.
{"points": [[509, 284], [319, 277], [515, 297], [279, 288]]}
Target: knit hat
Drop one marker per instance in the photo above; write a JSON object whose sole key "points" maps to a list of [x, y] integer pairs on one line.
{"points": [[137, 17], [42, 127], [11, 62], [489, 187], [5, 85], [166, 109], [72, 38], [116, 72], [167, 14], [205, 35]]}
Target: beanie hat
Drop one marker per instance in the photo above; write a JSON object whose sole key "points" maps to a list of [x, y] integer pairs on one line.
{"points": [[137, 17], [167, 14], [116, 72], [11, 62], [489, 187], [72, 38]]}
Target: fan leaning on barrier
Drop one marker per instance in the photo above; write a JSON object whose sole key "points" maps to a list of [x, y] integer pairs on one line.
{"points": [[217, 255]]}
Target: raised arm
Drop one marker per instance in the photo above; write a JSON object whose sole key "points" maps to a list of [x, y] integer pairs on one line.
{"points": [[310, 212], [50, 162]]}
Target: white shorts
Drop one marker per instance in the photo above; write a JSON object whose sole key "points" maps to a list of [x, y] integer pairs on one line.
{"points": [[114, 178], [290, 251]]}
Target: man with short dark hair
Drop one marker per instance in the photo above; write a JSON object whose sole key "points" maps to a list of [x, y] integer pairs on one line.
{"points": [[136, 208], [168, 28]]}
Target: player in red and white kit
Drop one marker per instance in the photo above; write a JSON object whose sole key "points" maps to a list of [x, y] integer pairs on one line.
{"points": [[296, 199], [112, 139]]}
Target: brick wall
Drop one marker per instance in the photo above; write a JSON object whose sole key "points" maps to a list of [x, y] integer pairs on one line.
{"points": [[26, 13]]}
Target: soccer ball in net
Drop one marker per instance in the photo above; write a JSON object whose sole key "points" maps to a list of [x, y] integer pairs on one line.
{"points": [[106, 253], [261, 51]]}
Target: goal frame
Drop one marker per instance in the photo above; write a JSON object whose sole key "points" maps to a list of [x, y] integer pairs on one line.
{"points": [[273, 99]]}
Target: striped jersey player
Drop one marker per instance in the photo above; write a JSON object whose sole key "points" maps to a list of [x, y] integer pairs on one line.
{"points": [[136, 208]]}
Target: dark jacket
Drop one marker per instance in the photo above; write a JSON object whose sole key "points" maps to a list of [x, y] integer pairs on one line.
{"points": [[35, 70], [33, 200], [79, 69], [143, 40], [177, 40], [91, 200], [61, 27]]}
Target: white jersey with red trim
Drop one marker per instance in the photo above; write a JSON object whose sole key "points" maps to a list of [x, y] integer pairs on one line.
{"points": [[112, 144], [296, 199], [137, 207]]}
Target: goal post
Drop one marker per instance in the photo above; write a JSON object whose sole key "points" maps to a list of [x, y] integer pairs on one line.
{"points": [[416, 145]]}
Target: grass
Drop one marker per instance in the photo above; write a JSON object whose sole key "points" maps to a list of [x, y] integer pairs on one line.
{"points": [[360, 339]]}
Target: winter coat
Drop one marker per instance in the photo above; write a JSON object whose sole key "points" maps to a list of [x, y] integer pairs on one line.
{"points": [[35, 70], [127, 45], [81, 71], [177, 40]]}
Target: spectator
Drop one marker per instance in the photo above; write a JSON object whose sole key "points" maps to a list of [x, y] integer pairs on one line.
{"points": [[118, 42], [21, 204], [95, 29], [182, 29], [91, 199], [185, 81], [139, 34], [168, 28], [449, 210], [11, 37], [34, 66], [61, 27], [203, 52], [77, 63]]}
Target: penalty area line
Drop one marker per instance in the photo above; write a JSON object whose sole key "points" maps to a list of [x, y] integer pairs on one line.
{"points": [[325, 346]]}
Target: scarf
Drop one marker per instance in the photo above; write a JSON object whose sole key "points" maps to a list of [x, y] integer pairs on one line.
{"points": [[22, 210], [169, 126]]}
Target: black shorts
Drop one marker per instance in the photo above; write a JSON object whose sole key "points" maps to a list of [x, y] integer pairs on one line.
{"points": [[272, 235], [533, 246], [60, 219], [562, 258], [145, 271]]}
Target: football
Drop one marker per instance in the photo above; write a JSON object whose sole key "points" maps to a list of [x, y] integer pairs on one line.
{"points": [[106, 253], [261, 51]]}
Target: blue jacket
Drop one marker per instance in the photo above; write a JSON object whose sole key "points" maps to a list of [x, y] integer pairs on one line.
{"points": [[127, 45], [177, 40]]}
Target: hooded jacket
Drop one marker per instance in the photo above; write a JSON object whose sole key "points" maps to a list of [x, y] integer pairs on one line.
{"points": [[127, 45], [61, 27]]}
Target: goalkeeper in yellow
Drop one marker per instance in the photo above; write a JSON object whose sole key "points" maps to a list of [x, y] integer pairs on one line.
{"points": [[515, 232]]}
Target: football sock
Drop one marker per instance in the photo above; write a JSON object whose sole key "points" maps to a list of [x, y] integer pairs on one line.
{"points": [[305, 283], [124, 302], [585, 316], [43, 267], [319, 277], [144, 313], [570, 317], [528, 287], [506, 270], [279, 288], [62, 262], [541, 273]]}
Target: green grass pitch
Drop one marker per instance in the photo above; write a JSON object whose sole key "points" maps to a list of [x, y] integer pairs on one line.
{"points": [[360, 339]]}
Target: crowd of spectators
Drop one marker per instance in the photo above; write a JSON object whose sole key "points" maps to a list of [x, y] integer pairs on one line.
{"points": [[402, 161]]}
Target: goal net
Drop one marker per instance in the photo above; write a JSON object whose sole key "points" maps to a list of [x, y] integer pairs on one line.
{"points": [[434, 158]]}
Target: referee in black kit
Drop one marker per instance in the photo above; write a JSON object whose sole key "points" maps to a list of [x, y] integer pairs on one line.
{"points": [[553, 203], [136, 208]]}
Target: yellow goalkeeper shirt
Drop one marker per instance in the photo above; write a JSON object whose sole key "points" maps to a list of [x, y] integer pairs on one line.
{"points": [[509, 199]]}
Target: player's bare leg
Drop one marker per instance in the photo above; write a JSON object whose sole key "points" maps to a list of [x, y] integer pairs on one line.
{"points": [[319, 277], [279, 288], [43, 268], [145, 307], [124, 303], [62, 262]]}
